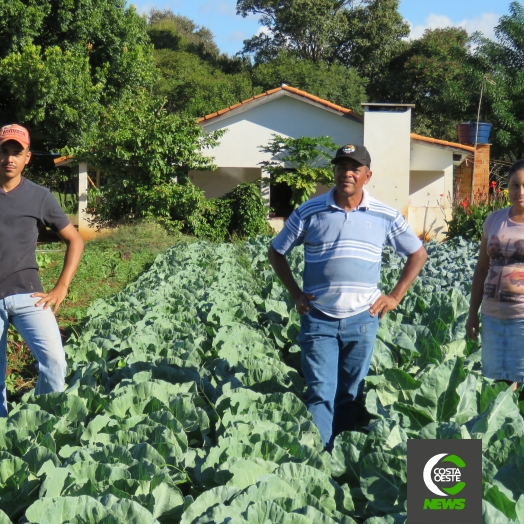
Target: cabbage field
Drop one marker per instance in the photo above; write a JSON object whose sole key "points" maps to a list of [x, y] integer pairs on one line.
{"points": [[184, 404]]}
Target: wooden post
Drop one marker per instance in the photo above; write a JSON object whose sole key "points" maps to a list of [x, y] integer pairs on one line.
{"points": [[98, 185]]}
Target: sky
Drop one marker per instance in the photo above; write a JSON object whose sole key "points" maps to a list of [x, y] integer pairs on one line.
{"points": [[230, 30]]}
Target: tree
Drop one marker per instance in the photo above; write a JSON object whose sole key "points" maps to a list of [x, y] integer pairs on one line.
{"points": [[52, 92], [376, 37], [435, 72], [62, 62], [196, 88], [199, 83], [503, 64], [303, 27], [179, 33], [300, 164], [145, 152], [193, 76], [364, 34], [335, 83]]}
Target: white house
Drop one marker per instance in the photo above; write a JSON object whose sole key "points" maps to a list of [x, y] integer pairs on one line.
{"points": [[412, 173]]}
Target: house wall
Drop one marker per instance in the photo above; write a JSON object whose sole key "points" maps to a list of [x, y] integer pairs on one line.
{"points": [[247, 131], [426, 188], [431, 159], [414, 177], [430, 190], [387, 138], [219, 182], [429, 222]]}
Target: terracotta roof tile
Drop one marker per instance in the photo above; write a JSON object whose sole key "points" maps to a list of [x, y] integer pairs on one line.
{"points": [[208, 117], [442, 142], [62, 158], [331, 105], [291, 90], [323, 102]]}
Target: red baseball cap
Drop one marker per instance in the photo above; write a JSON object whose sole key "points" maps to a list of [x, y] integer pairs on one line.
{"points": [[15, 132]]}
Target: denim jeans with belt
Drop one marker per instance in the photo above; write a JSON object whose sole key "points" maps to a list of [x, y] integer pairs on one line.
{"points": [[40, 332], [336, 354]]}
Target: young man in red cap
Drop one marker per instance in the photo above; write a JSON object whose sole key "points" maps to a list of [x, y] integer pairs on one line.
{"points": [[343, 233], [23, 207]]}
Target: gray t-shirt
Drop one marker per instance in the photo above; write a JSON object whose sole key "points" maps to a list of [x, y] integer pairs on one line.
{"points": [[504, 285], [22, 211]]}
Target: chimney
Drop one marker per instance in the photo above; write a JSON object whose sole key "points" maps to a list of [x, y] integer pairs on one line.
{"points": [[387, 137]]}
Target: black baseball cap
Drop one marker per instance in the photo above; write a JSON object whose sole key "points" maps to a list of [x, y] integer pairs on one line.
{"points": [[354, 151]]}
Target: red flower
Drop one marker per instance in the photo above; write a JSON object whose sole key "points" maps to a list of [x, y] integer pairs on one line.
{"points": [[499, 190], [493, 184], [464, 203]]}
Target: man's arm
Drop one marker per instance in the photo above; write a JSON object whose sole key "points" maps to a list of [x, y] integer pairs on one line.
{"points": [[477, 290], [283, 271], [412, 268], [75, 247]]}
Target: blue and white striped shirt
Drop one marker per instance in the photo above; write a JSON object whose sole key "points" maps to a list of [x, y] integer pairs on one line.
{"points": [[343, 250]]}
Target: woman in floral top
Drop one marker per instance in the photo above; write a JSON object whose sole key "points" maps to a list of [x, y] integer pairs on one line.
{"points": [[498, 285]]}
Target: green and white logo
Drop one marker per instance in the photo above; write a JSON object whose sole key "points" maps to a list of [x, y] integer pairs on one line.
{"points": [[433, 476], [441, 489]]}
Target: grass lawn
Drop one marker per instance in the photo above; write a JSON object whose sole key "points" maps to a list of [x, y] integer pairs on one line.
{"points": [[108, 264]]}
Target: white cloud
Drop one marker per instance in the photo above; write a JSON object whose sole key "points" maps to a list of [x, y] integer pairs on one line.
{"points": [[263, 30], [485, 23], [432, 22]]}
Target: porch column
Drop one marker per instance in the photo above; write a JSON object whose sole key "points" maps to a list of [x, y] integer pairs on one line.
{"points": [[85, 231], [265, 188]]}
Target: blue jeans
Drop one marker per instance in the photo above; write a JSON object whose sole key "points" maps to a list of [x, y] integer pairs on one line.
{"points": [[40, 332], [502, 355], [336, 354]]}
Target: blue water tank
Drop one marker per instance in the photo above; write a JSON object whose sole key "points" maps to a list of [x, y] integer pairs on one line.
{"points": [[467, 131]]}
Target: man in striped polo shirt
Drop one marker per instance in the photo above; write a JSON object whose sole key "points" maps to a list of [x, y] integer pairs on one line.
{"points": [[343, 232]]}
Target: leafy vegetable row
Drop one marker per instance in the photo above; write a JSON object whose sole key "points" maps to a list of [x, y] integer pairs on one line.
{"points": [[184, 404]]}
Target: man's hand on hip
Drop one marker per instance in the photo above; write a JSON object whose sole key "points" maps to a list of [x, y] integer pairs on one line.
{"points": [[302, 302], [384, 304]]}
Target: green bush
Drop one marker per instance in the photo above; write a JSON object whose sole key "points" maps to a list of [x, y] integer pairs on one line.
{"points": [[216, 219], [192, 213], [249, 211], [184, 208]]}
